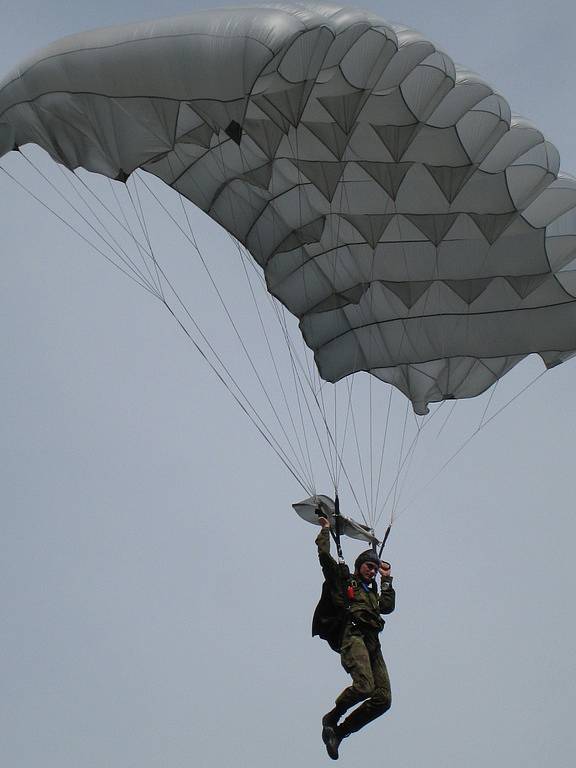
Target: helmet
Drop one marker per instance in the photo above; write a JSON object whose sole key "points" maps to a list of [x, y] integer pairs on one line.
{"points": [[369, 556]]}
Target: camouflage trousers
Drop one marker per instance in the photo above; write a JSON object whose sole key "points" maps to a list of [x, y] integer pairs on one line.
{"points": [[370, 683]]}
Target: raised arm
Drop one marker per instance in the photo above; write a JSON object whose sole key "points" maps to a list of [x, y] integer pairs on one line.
{"points": [[328, 564], [387, 593]]}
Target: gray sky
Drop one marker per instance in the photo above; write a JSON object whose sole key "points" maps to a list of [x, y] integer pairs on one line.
{"points": [[156, 587]]}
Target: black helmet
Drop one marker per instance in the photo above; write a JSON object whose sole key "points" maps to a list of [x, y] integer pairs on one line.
{"points": [[369, 556]]}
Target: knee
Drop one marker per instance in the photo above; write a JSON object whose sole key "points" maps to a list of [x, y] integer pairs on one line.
{"points": [[381, 699], [364, 688]]}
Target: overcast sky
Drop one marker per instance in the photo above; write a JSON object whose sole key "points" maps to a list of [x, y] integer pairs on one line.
{"points": [[156, 587]]}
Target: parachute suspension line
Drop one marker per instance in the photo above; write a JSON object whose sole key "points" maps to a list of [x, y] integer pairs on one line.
{"points": [[469, 440], [145, 251], [279, 453], [244, 255], [280, 314], [313, 375], [412, 447], [71, 178], [408, 461], [399, 461], [193, 242], [128, 267], [449, 414], [345, 429], [516, 396], [125, 225], [241, 398], [383, 447], [351, 417], [128, 228], [341, 463], [118, 251], [291, 353], [404, 460], [312, 419], [451, 411], [492, 393], [350, 380], [301, 394], [342, 466], [330, 440], [278, 377], [142, 221], [129, 274], [360, 462], [282, 320]]}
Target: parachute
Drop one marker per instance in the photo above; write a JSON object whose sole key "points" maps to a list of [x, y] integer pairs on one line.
{"points": [[418, 230]]}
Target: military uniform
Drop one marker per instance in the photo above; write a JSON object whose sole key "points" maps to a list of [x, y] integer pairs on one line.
{"points": [[360, 651]]}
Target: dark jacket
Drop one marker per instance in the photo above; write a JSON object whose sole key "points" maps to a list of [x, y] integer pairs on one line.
{"points": [[363, 610]]}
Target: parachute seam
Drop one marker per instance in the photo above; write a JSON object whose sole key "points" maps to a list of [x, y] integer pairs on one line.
{"points": [[409, 319], [136, 41]]}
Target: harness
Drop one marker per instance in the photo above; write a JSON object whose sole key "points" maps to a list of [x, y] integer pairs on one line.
{"points": [[330, 617]]}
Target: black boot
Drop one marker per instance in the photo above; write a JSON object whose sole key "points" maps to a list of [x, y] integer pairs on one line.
{"points": [[331, 740]]}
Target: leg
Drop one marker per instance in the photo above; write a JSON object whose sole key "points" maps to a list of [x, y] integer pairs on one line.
{"points": [[356, 661], [378, 703]]}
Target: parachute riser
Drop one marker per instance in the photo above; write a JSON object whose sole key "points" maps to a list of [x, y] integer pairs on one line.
{"points": [[337, 530], [384, 540]]}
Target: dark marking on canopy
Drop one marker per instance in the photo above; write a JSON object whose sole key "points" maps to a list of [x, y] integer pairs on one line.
{"points": [[234, 130]]}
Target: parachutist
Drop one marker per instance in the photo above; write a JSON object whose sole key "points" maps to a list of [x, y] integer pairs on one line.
{"points": [[348, 616]]}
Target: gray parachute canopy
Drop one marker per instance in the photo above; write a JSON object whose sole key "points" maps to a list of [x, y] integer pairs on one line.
{"points": [[417, 229]]}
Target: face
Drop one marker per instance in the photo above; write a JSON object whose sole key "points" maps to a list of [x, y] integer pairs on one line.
{"points": [[368, 571]]}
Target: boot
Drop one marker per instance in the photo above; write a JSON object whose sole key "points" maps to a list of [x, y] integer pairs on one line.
{"points": [[331, 740]]}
